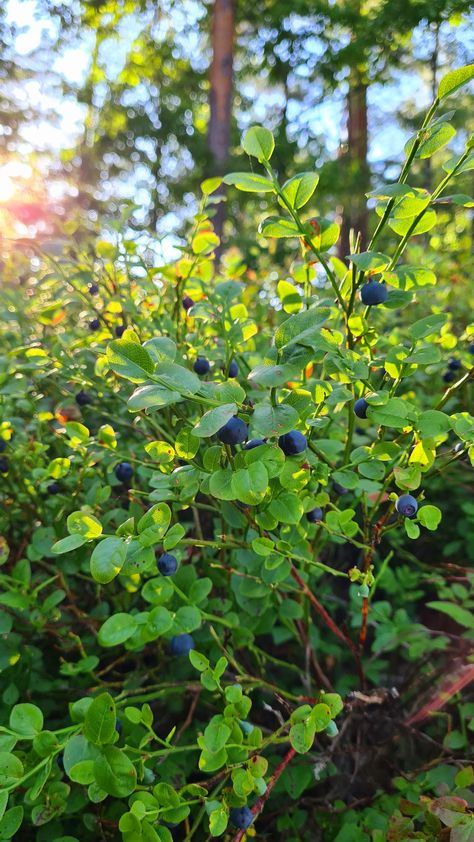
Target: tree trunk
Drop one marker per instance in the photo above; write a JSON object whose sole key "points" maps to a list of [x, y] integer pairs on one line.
{"points": [[357, 172], [220, 93]]}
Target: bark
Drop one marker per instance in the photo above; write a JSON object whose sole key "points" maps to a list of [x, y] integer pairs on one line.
{"points": [[220, 93], [355, 214]]}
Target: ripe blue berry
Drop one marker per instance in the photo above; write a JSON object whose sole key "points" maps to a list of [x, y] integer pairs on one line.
{"points": [[454, 364], [53, 488], [253, 443], [167, 564], [94, 324], [60, 760], [339, 489], [471, 348], [360, 408], [3, 445], [235, 431], [120, 330], [93, 289], [83, 398], [315, 515], [449, 376], [373, 293], [293, 443], [406, 505], [187, 302], [233, 369], [201, 366], [181, 644], [123, 471], [241, 817], [3, 465], [118, 726]]}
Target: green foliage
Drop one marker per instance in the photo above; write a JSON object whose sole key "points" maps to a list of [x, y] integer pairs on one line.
{"points": [[317, 646]]}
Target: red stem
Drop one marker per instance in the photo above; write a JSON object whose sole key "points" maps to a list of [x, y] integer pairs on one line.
{"points": [[259, 805]]}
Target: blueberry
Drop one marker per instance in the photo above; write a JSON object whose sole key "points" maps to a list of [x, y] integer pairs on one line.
{"points": [[471, 348], [3, 465], [187, 302], [315, 515], [373, 293], [167, 564], [241, 817], [60, 760], [339, 489], [120, 330], [233, 369], [360, 408], [94, 324], [123, 471], [454, 364], [181, 644], [234, 432], [449, 376], [406, 505], [118, 726], [201, 365], [53, 488], [3, 445], [254, 443], [83, 398], [292, 443], [93, 289]]}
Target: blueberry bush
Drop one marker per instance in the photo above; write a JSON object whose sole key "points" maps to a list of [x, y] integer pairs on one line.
{"points": [[223, 609]]}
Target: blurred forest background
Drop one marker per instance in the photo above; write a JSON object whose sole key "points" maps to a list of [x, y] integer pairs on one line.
{"points": [[111, 104]]}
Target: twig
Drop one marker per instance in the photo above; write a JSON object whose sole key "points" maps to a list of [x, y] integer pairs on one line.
{"points": [[259, 805]]}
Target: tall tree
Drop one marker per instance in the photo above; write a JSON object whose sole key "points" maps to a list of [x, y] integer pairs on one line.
{"points": [[221, 92]]}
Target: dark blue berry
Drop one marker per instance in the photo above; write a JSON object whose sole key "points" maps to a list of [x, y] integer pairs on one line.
{"points": [[60, 760], [373, 293], [120, 330], [167, 564], [94, 324], [360, 408], [53, 488], [124, 472], [241, 817], [3, 445], [315, 515], [3, 465], [293, 443], [454, 364], [235, 431], [201, 366], [233, 369], [339, 489], [118, 726], [93, 289], [83, 398], [471, 348], [187, 302], [181, 644], [254, 443], [406, 505], [449, 376]]}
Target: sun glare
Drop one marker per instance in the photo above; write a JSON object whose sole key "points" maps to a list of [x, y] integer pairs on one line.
{"points": [[7, 186]]}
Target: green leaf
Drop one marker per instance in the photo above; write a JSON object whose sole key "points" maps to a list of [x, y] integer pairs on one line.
{"points": [[250, 484], [187, 619], [147, 396], [83, 772], [178, 378], [249, 182], [456, 612], [278, 226], [214, 419], [454, 80], [299, 189], [173, 536], [66, 545], [154, 524], [26, 719], [108, 559], [259, 143], [429, 325], [433, 423], [401, 226], [302, 736], [269, 420], [115, 772], [432, 139], [218, 821], [221, 485], [186, 444], [430, 517], [117, 629], [370, 261], [11, 822], [273, 375], [205, 242], [291, 301], [160, 620], [11, 769], [287, 508], [130, 360], [99, 724]]}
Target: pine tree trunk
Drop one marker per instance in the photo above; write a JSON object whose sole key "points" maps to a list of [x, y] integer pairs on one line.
{"points": [[220, 94], [355, 214]]}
